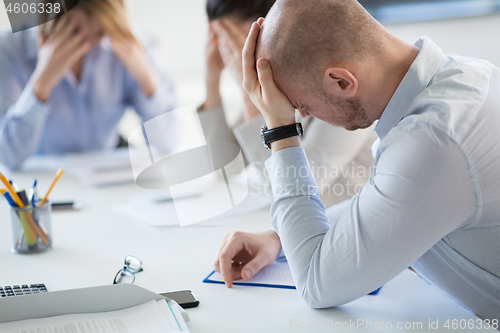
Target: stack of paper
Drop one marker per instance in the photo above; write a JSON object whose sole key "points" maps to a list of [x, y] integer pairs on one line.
{"points": [[118, 308], [152, 317]]}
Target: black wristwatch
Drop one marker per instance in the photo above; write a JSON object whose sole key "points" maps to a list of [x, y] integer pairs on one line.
{"points": [[279, 133]]}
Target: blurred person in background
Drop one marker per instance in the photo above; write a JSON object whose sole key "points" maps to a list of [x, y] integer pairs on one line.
{"points": [[65, 85], [341, 160]]}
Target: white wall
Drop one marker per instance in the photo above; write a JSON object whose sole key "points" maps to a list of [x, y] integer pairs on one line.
{"points": [[179, 27], [4, 20], [475, 37]]}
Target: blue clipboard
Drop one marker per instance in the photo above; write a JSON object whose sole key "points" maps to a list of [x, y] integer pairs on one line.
{"points": [[208, 280]]}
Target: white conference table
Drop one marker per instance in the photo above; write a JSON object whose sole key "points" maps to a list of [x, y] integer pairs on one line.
{"points": [[90, 245]]}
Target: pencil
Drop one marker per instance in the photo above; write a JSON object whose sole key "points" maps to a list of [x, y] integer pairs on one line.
{"points": [[13, 193], [58, 175], [29, 219], [29, 232]]}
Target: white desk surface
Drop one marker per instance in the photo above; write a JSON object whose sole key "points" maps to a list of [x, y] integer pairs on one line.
{"points": [[90, 245]]}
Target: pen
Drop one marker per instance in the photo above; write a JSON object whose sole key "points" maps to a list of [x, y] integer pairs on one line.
{"points": [[8, 197], [31, 224], [14, 185], [58, 175], [69, 205], [11, 202], [29, 230], [33, 200], [31, 239], [24, 198], [34, 194]]}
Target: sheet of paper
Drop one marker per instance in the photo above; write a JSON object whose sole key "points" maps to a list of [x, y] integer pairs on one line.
{"points": [[174, 314], [277, 274], [152, 213], [161, 196], [148, 317], [48, 162], [101, 168], [155, 208]]}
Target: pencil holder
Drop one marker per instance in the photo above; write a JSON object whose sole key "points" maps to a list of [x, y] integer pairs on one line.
{"points": [[31, 229]]}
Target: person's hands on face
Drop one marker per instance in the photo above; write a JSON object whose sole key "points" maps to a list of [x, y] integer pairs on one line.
{"points": [[59, 53], [215, 65], [231, 41], [242, 255], [134, 57], [259, 84]]}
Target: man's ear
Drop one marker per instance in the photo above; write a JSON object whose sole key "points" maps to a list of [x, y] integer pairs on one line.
{"points": [[340, 82]]}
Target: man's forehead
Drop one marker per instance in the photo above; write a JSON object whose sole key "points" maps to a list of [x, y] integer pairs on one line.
{"points": [[291, 91]]}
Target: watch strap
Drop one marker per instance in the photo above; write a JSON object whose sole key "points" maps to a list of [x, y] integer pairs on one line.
{"points": [[279, 133]]}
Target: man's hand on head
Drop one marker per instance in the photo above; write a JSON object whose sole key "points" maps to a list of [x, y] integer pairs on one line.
{"points": [[259, 84]]}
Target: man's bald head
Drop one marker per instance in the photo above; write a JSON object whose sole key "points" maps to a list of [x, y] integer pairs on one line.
{"points": [[301, 38]]}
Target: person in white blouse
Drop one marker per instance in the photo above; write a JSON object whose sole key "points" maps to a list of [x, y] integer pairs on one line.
{"points": [[341, 160], [434, 199]]}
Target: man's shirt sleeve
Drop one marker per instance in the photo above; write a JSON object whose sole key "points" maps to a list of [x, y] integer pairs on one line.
{"points": [[421, 191]]}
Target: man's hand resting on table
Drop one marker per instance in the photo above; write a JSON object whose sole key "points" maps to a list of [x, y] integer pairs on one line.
{"points": [[242, 255]]}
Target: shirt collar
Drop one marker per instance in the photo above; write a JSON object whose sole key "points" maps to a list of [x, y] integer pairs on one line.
{"points": [[415, 81]]}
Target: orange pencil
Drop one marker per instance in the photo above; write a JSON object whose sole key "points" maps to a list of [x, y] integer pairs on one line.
{"points": [[58, 175], [11, 190]]}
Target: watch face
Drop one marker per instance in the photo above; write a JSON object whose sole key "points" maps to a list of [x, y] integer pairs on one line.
{"points": [[300, 129]]}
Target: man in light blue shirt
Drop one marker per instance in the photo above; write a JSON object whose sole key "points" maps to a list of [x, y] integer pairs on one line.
{"points": [[88, 95], [434, 200]]}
